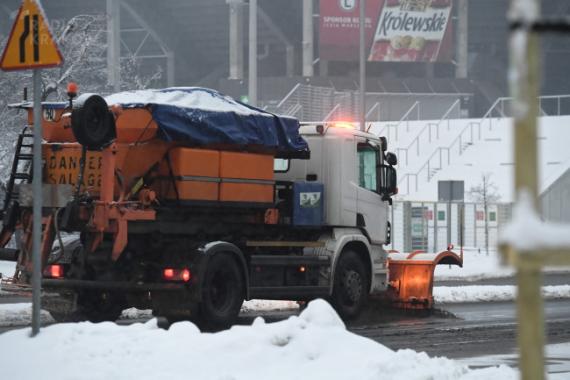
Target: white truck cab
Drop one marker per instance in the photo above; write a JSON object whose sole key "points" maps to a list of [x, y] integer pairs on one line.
{"points": [[348, 163], [351, 165]]}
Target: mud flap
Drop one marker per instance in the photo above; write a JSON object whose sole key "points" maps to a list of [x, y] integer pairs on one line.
{"points": [[411, 277]]}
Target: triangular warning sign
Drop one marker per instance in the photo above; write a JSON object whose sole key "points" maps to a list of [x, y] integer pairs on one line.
{"points": [[31, 44]]}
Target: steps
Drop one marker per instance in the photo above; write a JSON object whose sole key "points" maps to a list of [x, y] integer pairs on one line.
{"points": [[19, 173]]}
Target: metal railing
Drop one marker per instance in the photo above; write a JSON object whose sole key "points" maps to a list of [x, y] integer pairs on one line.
{"points": [[405, 118], [332, 113], [428, 127], [317, 102], [471, 133], [375, 106]]}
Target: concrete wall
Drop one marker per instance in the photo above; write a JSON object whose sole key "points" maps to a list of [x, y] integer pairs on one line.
{"points": [[555, 201]]}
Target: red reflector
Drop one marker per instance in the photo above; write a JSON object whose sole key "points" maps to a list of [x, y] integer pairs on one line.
{"points": [[168, 274], [54, 271], [185, 275]]}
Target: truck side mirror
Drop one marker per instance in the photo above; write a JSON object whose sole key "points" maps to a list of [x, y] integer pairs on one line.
{"points": [[391, 159], [388, 185]]}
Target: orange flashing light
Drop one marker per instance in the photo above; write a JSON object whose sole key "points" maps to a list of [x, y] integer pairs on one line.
{"points": [[72, 89], [343, 124], [54, 271], [302, 269]]}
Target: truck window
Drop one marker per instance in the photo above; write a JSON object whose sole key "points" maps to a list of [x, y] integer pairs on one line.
{"points": [[367, 161], [280, 165]]}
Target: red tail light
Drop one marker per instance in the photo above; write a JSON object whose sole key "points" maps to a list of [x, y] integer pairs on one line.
{"points": [[185, 275], [172, 274], [168, 274], [54, 271]]}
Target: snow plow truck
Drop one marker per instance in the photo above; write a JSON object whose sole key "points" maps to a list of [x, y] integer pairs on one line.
{"points": [[187, 202]]}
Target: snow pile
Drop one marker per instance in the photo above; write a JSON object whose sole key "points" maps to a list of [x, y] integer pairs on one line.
{"points": [[268, 305], [314, 345], [16, 314], [526, 232], [490, 293]]}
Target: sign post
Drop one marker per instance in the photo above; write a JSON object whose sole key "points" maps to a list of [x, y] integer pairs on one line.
{"points": [[529, 259], [32, 46]]}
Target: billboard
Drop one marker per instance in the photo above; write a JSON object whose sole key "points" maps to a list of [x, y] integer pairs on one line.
{"points": [[396, 30]]}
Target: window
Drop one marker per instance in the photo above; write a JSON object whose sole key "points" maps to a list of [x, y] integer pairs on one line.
{"points": [[280, 165], [367, 162]]}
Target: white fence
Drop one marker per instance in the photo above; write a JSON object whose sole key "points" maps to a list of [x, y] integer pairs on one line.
{"points": [[432, 226]]}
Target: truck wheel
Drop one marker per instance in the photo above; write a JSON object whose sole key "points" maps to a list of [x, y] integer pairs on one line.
{"points": [[350, 288], [223, 292]]}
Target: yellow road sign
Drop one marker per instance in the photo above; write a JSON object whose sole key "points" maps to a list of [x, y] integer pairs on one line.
{"points": [[31, 44]]}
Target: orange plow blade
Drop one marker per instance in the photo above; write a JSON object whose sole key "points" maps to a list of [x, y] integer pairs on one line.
{"points": [[411, 277]]}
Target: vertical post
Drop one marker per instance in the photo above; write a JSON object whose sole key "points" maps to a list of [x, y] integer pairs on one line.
{"points": [[37, 205], [289, 60], [461, 70], [114, 44], [362, 55], [308, 38], [448, 222], [435, 208], [530, 322], [252, 79], [392, 229], [525, 66], [170, 69], [236, 39]]}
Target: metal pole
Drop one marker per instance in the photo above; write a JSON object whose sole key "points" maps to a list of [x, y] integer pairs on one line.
{"points": [[462, 39], [37, 205], [252, 80], [170, 69], [236, 39], [307, 38], [362, 54], [114, 44]]}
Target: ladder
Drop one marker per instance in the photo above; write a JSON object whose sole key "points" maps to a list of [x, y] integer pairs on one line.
{"points": [[23, 153]]}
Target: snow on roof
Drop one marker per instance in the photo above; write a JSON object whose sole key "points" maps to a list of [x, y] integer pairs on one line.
{"points": [[313, 345]]}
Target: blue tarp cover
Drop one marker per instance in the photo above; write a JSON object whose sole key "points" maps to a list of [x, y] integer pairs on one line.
{"points": [[205, 117]]}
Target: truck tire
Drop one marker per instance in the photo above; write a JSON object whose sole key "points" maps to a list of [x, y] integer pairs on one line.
{"points": [[350, 288], [223, 291]]}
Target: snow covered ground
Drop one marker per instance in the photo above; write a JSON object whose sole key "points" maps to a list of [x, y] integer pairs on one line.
{"points": [[491, 293], [21, 313], [557, 361], [313, 345]]}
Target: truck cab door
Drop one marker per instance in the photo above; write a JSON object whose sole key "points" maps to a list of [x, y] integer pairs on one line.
{"points": [[372, 211]]}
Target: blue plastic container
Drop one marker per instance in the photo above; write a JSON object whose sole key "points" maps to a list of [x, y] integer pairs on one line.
{"points": [[308, 203]]}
